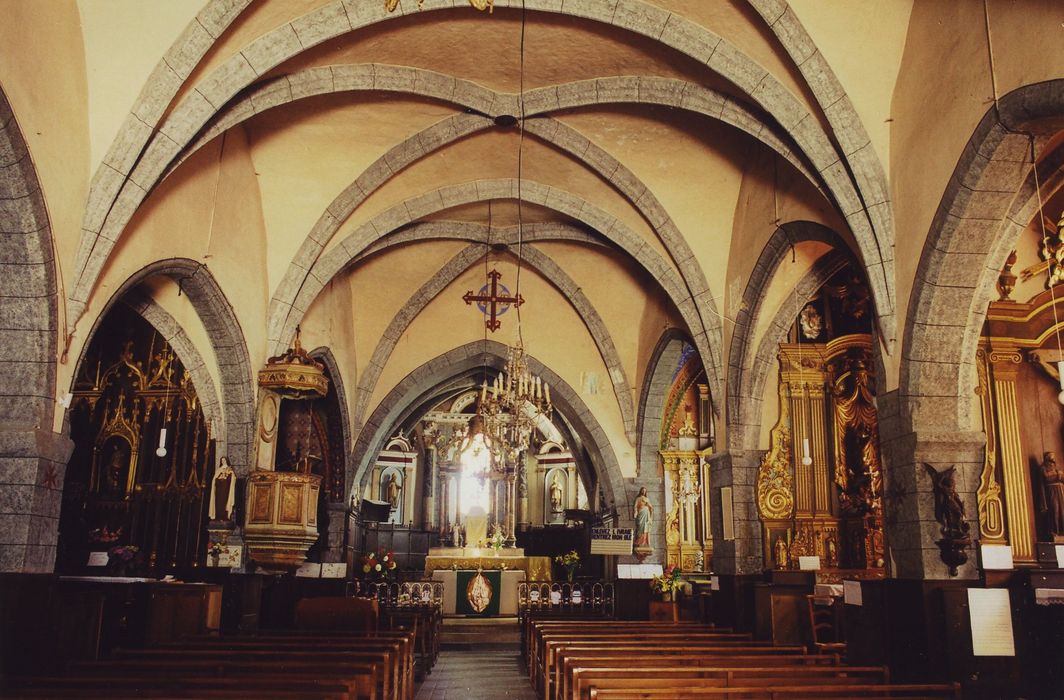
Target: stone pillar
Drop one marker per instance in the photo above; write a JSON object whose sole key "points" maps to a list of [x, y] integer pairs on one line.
{"points": [[524, 518], [337, 526], [737, 470], [33, 466], [909, 504]]}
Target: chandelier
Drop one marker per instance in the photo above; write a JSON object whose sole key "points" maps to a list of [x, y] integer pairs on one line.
{"points": [[513, 405]]}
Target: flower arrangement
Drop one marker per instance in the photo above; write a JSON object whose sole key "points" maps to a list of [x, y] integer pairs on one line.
{"points": [[379, 564], [121, 557], [215, 549], [667, 583], [123, 553], [496, 540], [571, 561]]}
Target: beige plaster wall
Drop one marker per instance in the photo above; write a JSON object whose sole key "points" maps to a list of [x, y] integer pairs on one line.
{"points": [[42, 71], [124, 41], [209, 210], [307, 152], [863, 44], [934, 118]]}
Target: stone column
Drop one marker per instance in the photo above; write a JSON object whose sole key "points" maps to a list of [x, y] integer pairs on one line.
{"points": [[33, 463], [909, 504], [737, 470]]}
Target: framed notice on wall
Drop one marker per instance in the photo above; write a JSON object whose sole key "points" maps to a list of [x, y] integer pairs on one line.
{"points": [[611, 540]]}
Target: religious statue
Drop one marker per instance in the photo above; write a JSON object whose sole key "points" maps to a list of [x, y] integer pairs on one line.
{"points": [[810, 321], [392, 491], [223, 492], [114, 469], [1053, 488], [782, 557], [555, 495], [644, 511], [832, 551], [949, 512]]}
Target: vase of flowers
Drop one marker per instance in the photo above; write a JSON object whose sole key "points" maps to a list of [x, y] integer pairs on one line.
{"points": [[214, 551], [496, 540], [379, 565], [571, 561], [666, 584], [121, 557]]}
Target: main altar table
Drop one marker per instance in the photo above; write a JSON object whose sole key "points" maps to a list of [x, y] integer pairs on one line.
{"points": [[472, 558]]}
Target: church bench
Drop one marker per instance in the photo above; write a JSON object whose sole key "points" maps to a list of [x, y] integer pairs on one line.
{"points": [[540, 627], [708, 649], [399, 645], [360, 679], [687, 689], [647, 632], [125, 686], [526, 620], [577, 681], [393, 684], [425, 621]]}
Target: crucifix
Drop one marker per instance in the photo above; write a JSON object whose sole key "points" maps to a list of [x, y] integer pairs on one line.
{"points": [[492, 300]]}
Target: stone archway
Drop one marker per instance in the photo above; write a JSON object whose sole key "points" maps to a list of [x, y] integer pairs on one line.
{"points": [[969, 239], [408, 394], [227, 341]]}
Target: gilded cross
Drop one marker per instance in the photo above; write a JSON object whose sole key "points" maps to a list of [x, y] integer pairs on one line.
{"points": [[490, 301]]}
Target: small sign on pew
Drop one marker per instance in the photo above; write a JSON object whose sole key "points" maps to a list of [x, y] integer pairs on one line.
{"points": [[611, 540], [533, 596], [555, 597], [577, 597]]}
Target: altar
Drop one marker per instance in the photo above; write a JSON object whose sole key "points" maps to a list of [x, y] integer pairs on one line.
{"points": [[503, 570], [471, 558]]}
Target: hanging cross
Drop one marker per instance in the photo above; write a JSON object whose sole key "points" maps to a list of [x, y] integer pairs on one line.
{"points": [[493, 300]]}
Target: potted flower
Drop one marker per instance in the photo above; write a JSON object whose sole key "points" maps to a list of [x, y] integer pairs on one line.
{"points": [[378, 565], [667, 583], [571, 561]]}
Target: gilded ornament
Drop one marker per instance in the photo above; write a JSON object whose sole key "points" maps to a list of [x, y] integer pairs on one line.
{"points": [[775, 497], [479, 592]]}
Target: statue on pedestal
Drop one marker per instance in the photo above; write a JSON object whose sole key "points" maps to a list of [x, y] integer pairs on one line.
{"points": [[555, 495], [1053, 489], [223, 492], [643, 514]]}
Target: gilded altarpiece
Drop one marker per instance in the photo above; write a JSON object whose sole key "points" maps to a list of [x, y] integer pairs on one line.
{"points": [[1019, 383], [819, 485], [121, 488]]}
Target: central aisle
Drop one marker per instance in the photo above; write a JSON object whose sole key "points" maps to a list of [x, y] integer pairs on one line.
{"points": [[479, 673], [479, 659]]}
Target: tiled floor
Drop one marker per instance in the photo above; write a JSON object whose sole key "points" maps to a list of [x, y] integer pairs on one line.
{"points": [[478, 674]]}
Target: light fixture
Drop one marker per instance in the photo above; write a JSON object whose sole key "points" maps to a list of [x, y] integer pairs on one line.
{"points": [[161, 450]]}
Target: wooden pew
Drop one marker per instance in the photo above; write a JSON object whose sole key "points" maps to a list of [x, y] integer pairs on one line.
{"points": [[687, 689], [396, 646], [150, 687], [360, 679], [707, 649], [394, 685], [577, 681]]}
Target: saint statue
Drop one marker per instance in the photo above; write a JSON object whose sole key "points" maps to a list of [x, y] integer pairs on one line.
{"points": [[555, 495], [392, 491], [223, 492], [783, 559], [1053, 485], [643, 514]]}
